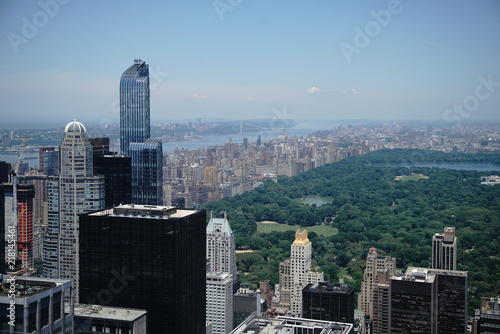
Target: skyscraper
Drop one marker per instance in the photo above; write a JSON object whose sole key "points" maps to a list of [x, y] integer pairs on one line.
{"points": [[147, 175], [374, 262], [429, 301], [300, 273], [23, 225], [25, 196], [326, 301], [147, 257], [117, 172], [220, 247], [75, 191], [134, 105], [219, 302], [444, 250]]}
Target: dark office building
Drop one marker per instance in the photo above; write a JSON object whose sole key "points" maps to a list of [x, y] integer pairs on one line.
{"points": [[147, 174], [4, 172], [429, 301], [330, 302], [117, 172], [146, 257]]}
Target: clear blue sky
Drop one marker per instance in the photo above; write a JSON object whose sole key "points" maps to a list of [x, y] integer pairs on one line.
{"points": [[253, 59]]}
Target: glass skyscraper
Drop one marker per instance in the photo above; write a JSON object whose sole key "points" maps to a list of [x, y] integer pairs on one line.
{"points": [[134, 105], [147, 178]]}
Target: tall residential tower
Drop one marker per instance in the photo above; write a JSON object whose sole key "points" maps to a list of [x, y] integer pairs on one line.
{"points": [[220, 247], [134, 105], [374, 263], [75, 191], [444, 250], [298, 275]]}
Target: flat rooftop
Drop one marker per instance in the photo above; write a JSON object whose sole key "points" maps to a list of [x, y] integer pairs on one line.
{"points": [[289, 325], [328, 287], [426, 275], [144, 211], [26, 287], [108, 313]]}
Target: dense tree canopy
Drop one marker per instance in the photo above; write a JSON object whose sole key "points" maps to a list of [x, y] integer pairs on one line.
{"points": [[370, 208]]}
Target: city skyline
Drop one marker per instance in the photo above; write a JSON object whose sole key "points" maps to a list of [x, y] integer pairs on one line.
{"points": [[331, 60]]}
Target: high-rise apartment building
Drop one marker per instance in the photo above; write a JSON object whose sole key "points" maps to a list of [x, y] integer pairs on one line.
{"points": [[147, 257], [134, 105], [219, 302], [374, 262], [73, 192], [23, 225], [381, 299], [326, 301], [300, 273], [25, 196], [429, 301], [220, 247], [444, 250], [147, 175]]}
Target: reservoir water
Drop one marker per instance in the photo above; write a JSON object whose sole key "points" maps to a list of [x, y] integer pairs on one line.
{"points": [[471, 166]]}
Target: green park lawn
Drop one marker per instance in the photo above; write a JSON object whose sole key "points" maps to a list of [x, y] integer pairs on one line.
{"points": [[318, 229]]}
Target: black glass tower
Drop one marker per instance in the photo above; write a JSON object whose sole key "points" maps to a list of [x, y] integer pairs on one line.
{"points": [[147, 172], [134, 105], [326, 301], [146, 257], [117, 172]]}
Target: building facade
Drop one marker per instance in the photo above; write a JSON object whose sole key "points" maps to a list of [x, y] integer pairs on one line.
{"points": [[444, 250], [73, 192], [487, 319], [300, 273], [147, 175], [147, 257], [429, 301], [220, 247], [103, 319], [219, 302], [39, 306], [134, 105], [326, 301], [381, 299], [374, 262], [117, 172]]}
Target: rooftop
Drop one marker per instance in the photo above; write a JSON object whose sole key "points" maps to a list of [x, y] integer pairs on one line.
{"points": [[26, 287], [328, 287], [106, 312], [289, 325], [144, 211]]}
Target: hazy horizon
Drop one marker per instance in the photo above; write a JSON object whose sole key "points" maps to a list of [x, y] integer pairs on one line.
{"points": [[239, 59]]}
